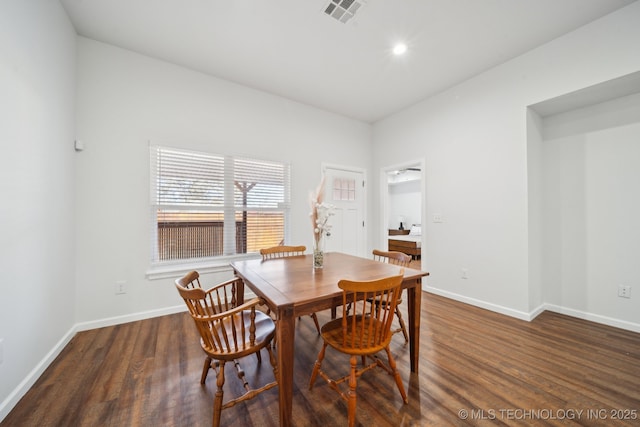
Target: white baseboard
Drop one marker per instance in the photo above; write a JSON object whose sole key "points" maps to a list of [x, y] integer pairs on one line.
{"points": [[616, 323], [610, 321], [14, 397], [118, 320], [479, 303], [537, 311]]}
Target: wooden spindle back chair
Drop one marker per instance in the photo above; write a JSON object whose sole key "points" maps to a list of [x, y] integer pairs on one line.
{"points": [[403, 260], [361, 332], [392, 257], [228, 331], [281, 251]]}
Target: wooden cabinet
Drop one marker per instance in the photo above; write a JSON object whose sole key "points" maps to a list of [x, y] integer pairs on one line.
{"points": [[409, 248], [410, 245], [394, 232]]}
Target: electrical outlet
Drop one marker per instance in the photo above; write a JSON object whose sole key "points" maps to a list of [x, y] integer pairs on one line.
{"points": [[624, 291], [464, 273], [121, 287], [437, 218]]}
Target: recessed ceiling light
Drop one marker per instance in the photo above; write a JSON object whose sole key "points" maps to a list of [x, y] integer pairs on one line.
{"points": [[399, 49]]}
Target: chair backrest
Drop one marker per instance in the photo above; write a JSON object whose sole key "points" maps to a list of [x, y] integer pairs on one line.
{"points": [[281, 251], [219, 298], [366, 327], [225, 327], [190, 280], [392, 257]]}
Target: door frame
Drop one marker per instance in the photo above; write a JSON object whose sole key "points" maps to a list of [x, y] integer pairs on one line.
{"points": [[324, 166], [384, 199]]}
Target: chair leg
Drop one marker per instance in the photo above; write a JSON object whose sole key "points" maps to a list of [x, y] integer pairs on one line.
{"points": [[351, 394], [273, 361], [259, 356], [396, 375], [403, 327], [205, 369], [315, 320], [217, 400], [316, 366]]}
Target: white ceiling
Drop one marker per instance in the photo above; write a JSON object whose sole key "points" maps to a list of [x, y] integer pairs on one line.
{"points": [[292, 49]]}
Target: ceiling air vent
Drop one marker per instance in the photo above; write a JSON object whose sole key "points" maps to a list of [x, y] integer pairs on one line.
{"points": [[342, 10]]}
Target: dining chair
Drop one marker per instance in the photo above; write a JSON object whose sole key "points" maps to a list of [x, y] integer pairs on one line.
{"points": [[228, 332], [283, 251], [403, 260], [361, 334]]}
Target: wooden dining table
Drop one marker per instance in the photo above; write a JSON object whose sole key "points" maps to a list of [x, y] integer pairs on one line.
{"points": [[291, 287]]}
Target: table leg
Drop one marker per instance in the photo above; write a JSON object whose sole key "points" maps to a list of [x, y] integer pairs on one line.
{"points": [[284, 346], [414, 302]]}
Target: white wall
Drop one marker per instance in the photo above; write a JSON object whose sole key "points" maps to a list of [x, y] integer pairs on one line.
{"points": [[474, 139], [590, 207], [37, 254], [405, 200], [535, 177], [126, 100]]}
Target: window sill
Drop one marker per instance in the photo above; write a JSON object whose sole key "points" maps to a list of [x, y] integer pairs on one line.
{"points": [[202, 266]]}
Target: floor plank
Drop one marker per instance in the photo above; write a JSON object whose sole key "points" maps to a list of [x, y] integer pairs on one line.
{"points": [[476, 368]]}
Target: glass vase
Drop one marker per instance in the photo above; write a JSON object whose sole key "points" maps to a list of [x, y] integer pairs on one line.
{"points": [[318, 253]]}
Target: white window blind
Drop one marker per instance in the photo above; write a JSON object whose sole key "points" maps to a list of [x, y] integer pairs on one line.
{"points": [[206, 205]]}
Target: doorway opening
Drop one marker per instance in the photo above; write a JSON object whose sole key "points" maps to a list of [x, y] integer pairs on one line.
{"points": [[403, 207]]}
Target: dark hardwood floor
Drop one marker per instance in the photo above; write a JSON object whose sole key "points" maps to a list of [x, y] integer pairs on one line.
{"points": [[476, 368]]}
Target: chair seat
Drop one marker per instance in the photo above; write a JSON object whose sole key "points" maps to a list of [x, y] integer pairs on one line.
{"points": [[332, 334], [265, 331]]}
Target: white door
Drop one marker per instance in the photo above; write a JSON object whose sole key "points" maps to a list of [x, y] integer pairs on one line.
{"points": [[345, 190]]}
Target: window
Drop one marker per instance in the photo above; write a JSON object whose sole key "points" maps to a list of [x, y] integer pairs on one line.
{"points": [[344, 189], [206, 205]]}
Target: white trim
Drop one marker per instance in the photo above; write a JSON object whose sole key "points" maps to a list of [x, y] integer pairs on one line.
{"points": [[522, 315], [134, 317], [596, 318], [324, 166], [14, 397], [537, 311], [479, 303], [127, 318], [206, 266]]}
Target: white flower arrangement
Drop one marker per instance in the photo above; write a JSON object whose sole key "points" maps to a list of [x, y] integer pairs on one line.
{"points": [[323, 212], [320, 214]]}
